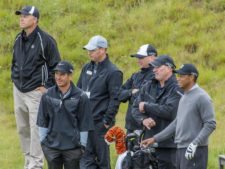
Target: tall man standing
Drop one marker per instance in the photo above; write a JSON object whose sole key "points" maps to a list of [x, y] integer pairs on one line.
{"points": [[156, 107], [35, 55], [194, 123], [129, 90], [101, 80]]}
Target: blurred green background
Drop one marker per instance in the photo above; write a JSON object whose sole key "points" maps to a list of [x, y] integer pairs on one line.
{"points": [[189, 31]]}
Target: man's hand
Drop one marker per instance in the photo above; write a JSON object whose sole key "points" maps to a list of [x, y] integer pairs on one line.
{"points": [[141, 107], [82, 148], [149, 123], [134, 91], [147, 142], [190, 152]]}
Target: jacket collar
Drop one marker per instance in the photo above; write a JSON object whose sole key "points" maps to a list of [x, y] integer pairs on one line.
{"points": [[170, 81], [143, 70], [103, 64], [31, 36], [167, 85], [71, 91]]}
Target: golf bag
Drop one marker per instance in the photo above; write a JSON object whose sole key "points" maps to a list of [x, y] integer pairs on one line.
{"points": [[138, 157]]}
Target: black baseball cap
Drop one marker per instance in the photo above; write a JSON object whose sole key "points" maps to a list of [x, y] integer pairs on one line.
{"points": [[144, 51], [28, 10], [64, 67], [163, 60], [187, 69]]}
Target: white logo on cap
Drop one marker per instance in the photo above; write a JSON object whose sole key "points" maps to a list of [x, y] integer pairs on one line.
{"points": [[60, 64], [143, 50], [32, 10]]}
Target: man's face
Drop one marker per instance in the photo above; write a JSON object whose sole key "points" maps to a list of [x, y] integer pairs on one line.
{"points": [[27, 21], [62, 79], [96, 54], [144, 62], [184, 81], [162, 72]]}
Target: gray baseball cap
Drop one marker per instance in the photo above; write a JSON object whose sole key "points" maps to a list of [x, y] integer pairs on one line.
{"points": [[95, 42]]}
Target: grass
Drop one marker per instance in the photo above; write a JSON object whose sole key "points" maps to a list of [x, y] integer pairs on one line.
{"points": [[189, 31]]}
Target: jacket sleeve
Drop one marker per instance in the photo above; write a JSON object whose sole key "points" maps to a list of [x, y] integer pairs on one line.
{"points": [[125, 91], [207, 114], [52, 58], [137, 115], [166, 111], [114, 83], [43, 117], [85, 119]]}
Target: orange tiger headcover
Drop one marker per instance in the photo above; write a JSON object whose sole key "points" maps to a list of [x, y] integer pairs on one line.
{"points": [[117, 135]]}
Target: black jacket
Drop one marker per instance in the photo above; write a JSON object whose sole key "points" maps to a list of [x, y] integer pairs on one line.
{"points": [[103, 87], [161, 105], [34, 58], [64, 116], [136, 81]]}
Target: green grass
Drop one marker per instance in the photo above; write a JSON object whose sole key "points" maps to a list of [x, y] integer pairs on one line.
{"points": [[189, 31]]}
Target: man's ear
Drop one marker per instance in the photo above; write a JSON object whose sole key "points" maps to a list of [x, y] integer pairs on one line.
{"points": [[70, 76]]}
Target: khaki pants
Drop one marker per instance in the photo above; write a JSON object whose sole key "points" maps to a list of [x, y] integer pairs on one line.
{"points": [[26, 109]]}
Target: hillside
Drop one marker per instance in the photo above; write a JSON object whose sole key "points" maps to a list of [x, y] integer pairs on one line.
{"points": [[189, 31]]}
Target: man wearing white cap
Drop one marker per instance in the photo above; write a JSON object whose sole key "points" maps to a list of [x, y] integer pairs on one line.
{"points": [[101, 80], [35, 55], [128, 92]]}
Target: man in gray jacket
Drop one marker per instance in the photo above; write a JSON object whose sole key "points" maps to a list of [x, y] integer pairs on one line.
{"points": [[194, 123]]}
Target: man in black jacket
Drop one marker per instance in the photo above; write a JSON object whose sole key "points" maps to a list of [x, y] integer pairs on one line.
{"points": [[35, 55], [129, 90], [156, 107], [64, 119], [101, 80]]}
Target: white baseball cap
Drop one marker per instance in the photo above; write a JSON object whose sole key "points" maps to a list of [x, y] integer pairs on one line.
{"points": [[145, 50]]}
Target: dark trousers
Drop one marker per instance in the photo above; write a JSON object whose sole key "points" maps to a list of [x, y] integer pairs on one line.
{"points": [[58, 158], [198, 162], [166, 158], [96, 155]]}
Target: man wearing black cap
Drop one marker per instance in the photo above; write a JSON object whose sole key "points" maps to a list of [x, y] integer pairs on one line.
{"points": [[64, 119], [194, 123], [156, 106], [101, 80], [35, 55], [129, 90]]}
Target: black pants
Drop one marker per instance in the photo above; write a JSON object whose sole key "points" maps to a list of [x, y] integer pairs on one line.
{"points": [[96, 155], [198, 162], [58, 158], [166, 158]]}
